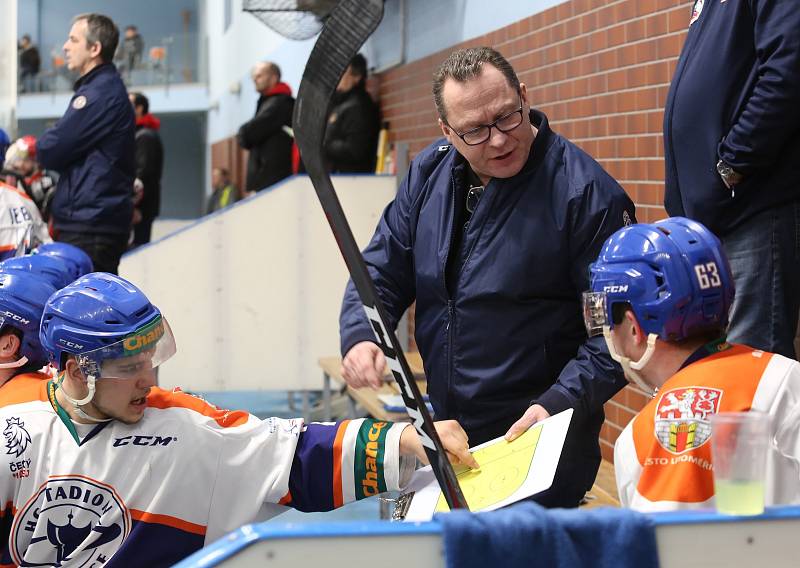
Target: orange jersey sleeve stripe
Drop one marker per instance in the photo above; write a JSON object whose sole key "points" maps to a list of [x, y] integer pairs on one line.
{"points": [[16, 190], [338, 499], [24, 388], [169, 521], [160, 398], [286, 499]]}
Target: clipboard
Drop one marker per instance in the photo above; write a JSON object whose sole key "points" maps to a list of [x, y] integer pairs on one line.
{"points": [[509, 472]]}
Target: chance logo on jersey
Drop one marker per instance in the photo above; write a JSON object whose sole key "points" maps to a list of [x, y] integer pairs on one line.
{"points": [[70, 519], [683, 415]]}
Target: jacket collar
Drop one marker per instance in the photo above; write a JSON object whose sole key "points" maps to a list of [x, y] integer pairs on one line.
{"points": [[148, 121], [544, 137], [279, 89], [102, 68]]}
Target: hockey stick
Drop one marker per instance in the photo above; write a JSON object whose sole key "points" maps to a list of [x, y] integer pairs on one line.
{"points": [[347, 28]]}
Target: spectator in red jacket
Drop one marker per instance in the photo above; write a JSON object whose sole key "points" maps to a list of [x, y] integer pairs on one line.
{"points": [[149, 167], [267, 135]]}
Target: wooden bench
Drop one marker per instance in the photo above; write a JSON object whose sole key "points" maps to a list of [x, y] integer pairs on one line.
{"points": [[367, 397], [604, 491]]}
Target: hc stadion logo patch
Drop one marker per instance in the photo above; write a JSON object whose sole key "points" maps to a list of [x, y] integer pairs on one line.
{"points": [[683, 415], [71, 520]]}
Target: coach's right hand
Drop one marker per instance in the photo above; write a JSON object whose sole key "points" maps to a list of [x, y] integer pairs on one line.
{"points": [[364, 365]]}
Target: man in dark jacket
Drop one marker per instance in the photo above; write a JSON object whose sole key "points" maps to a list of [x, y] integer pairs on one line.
{"points": [[732, 154], [149, 166], [492, 235], [92, 147], [267, 134], [29, 64], [351, 138]]}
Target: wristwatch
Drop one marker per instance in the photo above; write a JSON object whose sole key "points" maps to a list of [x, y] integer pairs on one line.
{"points": [[730, 177]]}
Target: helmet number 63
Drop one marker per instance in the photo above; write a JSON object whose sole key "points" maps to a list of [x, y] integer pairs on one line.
{"points": [[707, 275]]}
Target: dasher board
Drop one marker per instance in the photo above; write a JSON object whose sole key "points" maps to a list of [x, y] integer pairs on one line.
{"points": [[684, 540]]}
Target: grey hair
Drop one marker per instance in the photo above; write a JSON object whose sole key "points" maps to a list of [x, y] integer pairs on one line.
{"points": [[465, 64], [101, 29]]}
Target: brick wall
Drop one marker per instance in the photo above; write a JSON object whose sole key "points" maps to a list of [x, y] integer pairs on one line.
{"points": [[600, 70]]}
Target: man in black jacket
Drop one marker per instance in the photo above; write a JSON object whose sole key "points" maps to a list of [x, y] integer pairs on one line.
{"points": [[92, 147], [732, 156], [351, 139], [268, 134], [29, 64], [149, 166]]}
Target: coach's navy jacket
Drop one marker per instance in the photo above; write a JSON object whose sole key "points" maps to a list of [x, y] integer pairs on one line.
{"points": [[735, 96], [513, 331], [93, 148]]}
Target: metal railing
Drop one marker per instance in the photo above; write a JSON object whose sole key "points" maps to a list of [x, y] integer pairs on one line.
{"points": [[177, 58]]}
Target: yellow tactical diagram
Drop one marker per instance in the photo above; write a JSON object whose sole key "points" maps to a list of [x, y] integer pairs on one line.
{"points": [[504, 467]]}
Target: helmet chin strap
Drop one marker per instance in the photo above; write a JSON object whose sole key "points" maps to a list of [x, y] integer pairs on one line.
{"points": [[631, 368], [14, 364], [90, 382]]}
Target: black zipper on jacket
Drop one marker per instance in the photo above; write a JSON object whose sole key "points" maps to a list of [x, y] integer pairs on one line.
{"points": [[450, 301]]}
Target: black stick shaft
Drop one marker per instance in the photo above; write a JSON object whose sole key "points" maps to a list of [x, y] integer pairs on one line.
{"points": [[347, 28]]}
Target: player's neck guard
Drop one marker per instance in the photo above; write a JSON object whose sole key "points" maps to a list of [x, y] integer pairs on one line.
{"points": [[632, 368], [15, 364], [76, 404]]}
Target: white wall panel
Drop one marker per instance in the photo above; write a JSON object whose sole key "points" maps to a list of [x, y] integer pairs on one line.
{"points": [[8, 67], [253, 293]]}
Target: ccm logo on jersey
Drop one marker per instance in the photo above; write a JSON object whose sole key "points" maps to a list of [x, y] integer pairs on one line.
{"points": [[616, 288], [144, 441], [15, 317]]}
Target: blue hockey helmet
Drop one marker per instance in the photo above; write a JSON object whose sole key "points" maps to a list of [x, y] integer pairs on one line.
{"points": [[22, 300], [50, 268], [5, 141], [108, 324], [76, 259], [673, 273]]}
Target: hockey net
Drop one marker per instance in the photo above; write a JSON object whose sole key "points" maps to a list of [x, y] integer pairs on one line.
{"points": [[294, 19]]}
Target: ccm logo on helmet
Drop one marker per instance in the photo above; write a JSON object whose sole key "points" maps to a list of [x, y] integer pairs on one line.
{"points": [[616, 288], [144, 441], [15, 317], [70, 344]]}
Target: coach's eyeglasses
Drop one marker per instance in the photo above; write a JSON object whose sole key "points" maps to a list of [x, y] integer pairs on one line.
{"points": [[482, 133]]}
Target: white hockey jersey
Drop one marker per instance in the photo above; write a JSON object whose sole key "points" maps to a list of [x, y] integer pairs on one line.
{"points": [[21, 226], [151, 493], [662, 459]]}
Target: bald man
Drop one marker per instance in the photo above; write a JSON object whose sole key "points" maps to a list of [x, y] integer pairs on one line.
{"points": [[264, 135]]}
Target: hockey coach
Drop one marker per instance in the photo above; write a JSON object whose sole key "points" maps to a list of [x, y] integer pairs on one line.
{"points": [[491, 233], [93, 148]]}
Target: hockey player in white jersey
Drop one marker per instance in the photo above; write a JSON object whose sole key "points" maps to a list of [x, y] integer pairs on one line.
{"points": [[661, 295], [21, 226], [105, 468]]}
